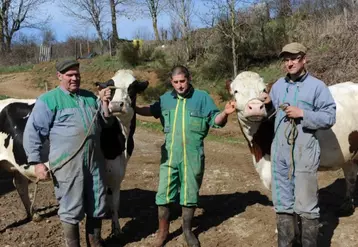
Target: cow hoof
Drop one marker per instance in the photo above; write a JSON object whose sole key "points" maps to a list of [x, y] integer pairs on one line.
{"points": [[116, 233], [37, 218], [346, 209]]}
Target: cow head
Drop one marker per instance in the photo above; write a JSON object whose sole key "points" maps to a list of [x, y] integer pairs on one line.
{"points": [[124, 89], [247, 89]]}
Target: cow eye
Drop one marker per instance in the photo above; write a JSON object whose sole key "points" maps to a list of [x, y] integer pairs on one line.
{"points": [[235, 92]]}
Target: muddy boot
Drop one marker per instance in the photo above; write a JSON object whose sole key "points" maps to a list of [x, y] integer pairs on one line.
{"points": [[285, 230], [163, 218], [188, 214], [310, 229], [93, 232], [72, 234]]}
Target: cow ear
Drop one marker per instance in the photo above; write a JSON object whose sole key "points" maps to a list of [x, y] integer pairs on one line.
{"points": [[140, 86], [228, 86]]}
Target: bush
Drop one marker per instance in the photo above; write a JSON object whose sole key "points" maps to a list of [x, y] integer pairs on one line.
{"points": [[127, 55]]}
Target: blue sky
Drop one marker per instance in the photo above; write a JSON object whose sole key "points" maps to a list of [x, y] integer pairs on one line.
{"points": [[64, 26]]}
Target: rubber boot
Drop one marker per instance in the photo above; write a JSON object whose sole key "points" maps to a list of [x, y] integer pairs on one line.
{"points": [[93, 232], [163, 218], [285, 230], [310, 229], [188, 214], [72, 234]]}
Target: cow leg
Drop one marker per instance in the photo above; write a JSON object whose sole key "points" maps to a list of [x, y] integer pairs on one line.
{"points": [[116, 228], [21, 184], [350, 170]]}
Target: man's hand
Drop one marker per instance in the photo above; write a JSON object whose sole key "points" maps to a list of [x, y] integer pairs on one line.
{"points": [[294, 112], [230, 107], [41, 172], [105, 94]]}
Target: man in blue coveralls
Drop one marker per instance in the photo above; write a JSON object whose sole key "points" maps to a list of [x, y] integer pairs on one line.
{"points": [[295, 150], [64, 116]]}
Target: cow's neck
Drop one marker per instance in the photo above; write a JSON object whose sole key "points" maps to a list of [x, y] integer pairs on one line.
{"points": [[249, 129]]}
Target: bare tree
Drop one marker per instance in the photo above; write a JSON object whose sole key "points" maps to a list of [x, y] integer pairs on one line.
{"points": [[225, 17], [152, 8], [88, 11], [18, 14], [114, 4], [182, 11]]}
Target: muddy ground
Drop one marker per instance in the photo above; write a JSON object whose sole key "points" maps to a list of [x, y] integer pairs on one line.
{"points": [[235, 209]]}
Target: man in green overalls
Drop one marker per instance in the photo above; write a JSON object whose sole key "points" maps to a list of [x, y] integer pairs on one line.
{"points": [[186, 115]]}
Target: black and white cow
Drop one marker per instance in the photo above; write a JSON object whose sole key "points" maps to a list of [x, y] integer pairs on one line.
{"points": [[117, 141]]}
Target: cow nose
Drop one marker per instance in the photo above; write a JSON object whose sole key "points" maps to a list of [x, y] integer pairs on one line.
{"points": [[255, 108], [121, 104]]}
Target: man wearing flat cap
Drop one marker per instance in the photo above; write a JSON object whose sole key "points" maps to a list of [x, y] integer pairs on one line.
{"points": [[64, 116], [295, 151]]}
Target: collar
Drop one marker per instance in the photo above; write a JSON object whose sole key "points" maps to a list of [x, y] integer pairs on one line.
{"points": [[187, 95], [299, 79], [69, 93]]}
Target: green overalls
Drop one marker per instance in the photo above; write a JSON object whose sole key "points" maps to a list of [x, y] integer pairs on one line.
{"points": [[186, 122]]}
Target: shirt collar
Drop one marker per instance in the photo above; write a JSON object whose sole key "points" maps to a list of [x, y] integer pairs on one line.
{"points": [[187, 95], [69, 93], [299, 79]]}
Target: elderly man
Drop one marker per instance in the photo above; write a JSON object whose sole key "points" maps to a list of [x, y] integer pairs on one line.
{"points": [[295, 151], [64, 116], [186, 114]]}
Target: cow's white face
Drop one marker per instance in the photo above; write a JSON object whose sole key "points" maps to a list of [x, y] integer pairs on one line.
{"points": [[124, 92], [247, 89]]}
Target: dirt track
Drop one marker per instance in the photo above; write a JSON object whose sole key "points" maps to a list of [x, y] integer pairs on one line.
{"points": [[235, 209]]}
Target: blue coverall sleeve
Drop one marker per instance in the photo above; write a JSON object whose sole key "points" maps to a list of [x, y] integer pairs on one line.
{"points": [[323, 115], [155, 109], [37, 130]]}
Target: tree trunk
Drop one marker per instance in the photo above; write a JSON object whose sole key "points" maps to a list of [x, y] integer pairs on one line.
{"points": [[8, 43], [155, 27], [2, 38], [115, 36], [233, 38], [100, 36]]}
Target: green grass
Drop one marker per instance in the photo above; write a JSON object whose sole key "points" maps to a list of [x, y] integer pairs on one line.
{"points": [[157, 127], [3, 97], [14, 69]]}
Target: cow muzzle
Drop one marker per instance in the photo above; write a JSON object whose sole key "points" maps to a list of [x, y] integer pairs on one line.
{"points": [[255, 110], [117, 107]]}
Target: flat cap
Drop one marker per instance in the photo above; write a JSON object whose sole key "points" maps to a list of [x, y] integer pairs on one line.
{"points": [[63, 66], [293, 48]]}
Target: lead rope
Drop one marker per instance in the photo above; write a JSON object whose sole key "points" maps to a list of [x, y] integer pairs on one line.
{"points": [[60, 165]]}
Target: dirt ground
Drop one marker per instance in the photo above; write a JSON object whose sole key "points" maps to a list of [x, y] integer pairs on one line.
{"points": [[235, 209]]}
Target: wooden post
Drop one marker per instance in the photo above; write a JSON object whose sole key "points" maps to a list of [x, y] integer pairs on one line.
{"points": [[88, 47], [75, 49], [81, 49], [110, 47]]}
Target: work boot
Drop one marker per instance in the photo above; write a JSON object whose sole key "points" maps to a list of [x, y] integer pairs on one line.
{"points": [[163, 218], [285, 230], [188, 214], [72, 234], [93, 232], [310, 229]]}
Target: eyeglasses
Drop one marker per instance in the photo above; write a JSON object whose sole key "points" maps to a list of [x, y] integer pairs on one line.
{"points": [[293, 59], [181, 81]]}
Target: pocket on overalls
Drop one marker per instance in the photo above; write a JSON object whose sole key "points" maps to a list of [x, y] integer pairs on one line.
{"points": [[166, 118], [197, 121]]}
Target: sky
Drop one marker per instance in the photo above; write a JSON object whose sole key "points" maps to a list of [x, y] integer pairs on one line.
{"points": [[63, 25]]}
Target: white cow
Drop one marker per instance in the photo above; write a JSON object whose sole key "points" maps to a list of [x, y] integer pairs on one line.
{"points": [[338, 144], [117, 141]]}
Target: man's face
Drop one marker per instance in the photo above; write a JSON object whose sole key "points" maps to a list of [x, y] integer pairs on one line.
{"points": [[294, 63], [180, 83], [70, 80]]}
